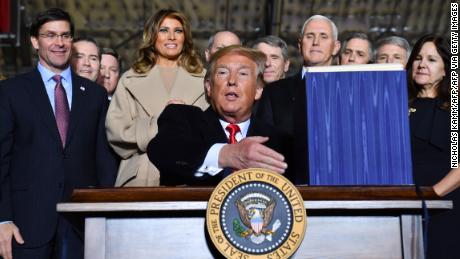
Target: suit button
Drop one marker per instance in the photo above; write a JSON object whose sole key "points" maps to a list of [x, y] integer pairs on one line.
{"points": [[181, 163], [60, 185]]}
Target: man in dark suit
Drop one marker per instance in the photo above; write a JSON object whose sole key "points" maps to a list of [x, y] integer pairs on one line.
{"points": [[200, 148], [283, 102], [52, 140]]}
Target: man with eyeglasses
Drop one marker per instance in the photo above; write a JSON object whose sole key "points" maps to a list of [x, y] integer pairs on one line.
{"points": [[86, 58], [52, 140]]}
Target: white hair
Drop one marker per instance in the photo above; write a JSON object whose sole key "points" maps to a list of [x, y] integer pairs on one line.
{"points": [[335, 33]]}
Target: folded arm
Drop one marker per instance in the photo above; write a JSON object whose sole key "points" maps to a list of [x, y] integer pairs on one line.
{"points": [[250, 152], [178, 149], [449, 183], [127, 132]]}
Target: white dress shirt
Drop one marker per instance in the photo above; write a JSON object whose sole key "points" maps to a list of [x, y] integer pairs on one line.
{"points": [[211, 162], [50, 84]]}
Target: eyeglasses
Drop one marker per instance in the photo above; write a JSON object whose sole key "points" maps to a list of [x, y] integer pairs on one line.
{"points": [[53, 36]]}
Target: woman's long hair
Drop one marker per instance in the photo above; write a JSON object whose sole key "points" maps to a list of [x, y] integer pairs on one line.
{"points": [[443, 89], [148, 55]]}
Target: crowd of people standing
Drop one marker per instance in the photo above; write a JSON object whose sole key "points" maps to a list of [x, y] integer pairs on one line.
{"points": [[172, 119]]}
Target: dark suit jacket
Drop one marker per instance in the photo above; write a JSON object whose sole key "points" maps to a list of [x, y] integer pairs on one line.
{"points": [[36, 172], [185, 134], [283, 104]]}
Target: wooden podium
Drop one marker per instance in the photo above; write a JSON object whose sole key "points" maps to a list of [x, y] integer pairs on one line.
{"points": [[165, 222]]}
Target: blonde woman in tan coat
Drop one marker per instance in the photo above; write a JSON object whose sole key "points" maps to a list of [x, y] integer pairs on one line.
{"points": [[168, 70]]}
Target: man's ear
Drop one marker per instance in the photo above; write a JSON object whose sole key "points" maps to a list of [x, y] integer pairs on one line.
{"points": [[207, 55], [34, 42], [336, 48], [286, 66], [259, 90], [207, 87], [299, 45]]}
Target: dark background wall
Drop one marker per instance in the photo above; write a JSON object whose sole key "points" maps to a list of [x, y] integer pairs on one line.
{"points": [[118, 23]]}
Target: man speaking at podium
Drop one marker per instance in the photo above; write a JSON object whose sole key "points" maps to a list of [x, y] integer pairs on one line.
{"points": [[200, 148]]}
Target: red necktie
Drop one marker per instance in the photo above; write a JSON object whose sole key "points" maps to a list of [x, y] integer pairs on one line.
{"points": [[61, 109], [232, 129]]}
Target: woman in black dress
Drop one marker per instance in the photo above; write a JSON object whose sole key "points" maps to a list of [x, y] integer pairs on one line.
{"points": [[428, 73]]}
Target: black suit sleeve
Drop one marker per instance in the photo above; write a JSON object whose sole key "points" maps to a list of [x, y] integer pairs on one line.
{"points": [[178, 148], [107, 162], [6, 142], [264, 109]]}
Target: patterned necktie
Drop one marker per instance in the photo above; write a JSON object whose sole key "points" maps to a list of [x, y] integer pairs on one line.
{"points": [[232, 129], [61, 109]]}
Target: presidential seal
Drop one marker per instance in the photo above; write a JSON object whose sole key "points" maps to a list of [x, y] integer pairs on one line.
{"points": [[256, 213]]}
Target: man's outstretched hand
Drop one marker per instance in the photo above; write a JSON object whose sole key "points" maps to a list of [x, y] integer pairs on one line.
{"points": [[250, 152]]}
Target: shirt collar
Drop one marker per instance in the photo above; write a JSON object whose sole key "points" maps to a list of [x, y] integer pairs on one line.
{"points": [[304, 70], [244, 126], [47, 74]]}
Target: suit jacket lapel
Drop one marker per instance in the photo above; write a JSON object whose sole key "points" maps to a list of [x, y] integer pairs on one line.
{"points": [[214, 131], [78, 95], [216, 134], [296, 82], [256, 128], [253, 129], [39, 97], [148, 90]]}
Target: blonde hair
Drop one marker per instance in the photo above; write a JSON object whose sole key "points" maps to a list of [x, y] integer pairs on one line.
{"points": [[255, 55], [148, 55]]}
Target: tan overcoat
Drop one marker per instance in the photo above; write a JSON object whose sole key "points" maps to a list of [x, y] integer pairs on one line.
{"points": [[132, 119]]}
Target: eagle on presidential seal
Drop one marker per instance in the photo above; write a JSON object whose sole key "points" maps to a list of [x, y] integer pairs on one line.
{"points": [[256, 212]]}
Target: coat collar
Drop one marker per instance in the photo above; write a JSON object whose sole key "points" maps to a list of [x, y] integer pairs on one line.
{"points": [[297, 81], [216, 132], [140, 86]]}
